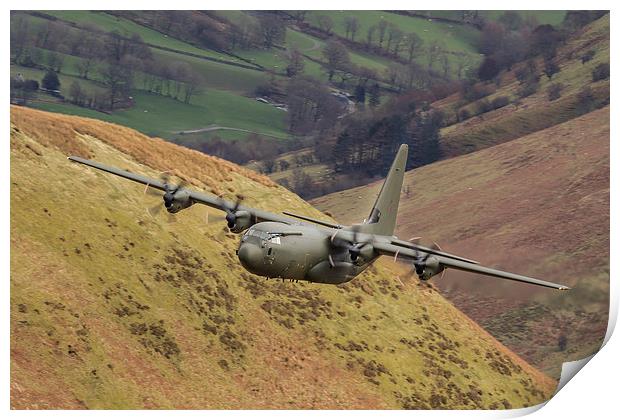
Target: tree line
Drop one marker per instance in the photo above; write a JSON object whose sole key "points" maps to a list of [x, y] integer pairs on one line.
{"points": [[112, 59]]}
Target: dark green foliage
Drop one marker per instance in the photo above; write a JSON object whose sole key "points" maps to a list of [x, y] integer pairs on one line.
{"points": [[375, 95], [588, 56], [554, 91], [551, 68], [463, 114], [528, 89], [488, 69], [50, 81], [360, 94], [600, 72], [586, 100], [500, 102]]}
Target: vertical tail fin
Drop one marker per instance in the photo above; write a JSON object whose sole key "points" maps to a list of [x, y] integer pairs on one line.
{"points": [[382, 219]]}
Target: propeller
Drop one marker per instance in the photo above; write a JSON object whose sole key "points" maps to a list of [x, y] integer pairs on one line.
{"points": [[168, 196], [354, 247], [438, 248], [231, 213], [237, 220]]}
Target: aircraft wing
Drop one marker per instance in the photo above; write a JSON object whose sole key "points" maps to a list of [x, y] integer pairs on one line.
{"points": [[196, 196], [458, 263]]}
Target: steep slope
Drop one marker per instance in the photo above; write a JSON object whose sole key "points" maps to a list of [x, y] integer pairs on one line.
{"points": [[538, 205], [534, 112], [111, 308]]}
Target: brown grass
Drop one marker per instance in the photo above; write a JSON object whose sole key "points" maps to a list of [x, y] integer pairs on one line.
{"points": [[59, 131]]}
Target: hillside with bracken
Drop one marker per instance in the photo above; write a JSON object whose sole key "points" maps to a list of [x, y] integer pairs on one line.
{"points": [[537, 205], [114, 308]]}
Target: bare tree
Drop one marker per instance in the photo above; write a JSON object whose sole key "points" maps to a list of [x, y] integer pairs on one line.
{"points": [[351, 26], [118, 81], [414, 45], [54, 61], [325, 24], [272, 29], [432, 53], [381, 26], [192, 83], [370, 32], [396, 36], [445, 64], [76, 94], [20, 38], [295, 63], [337, 57]]}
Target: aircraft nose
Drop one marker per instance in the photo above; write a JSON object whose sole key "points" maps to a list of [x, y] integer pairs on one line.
{"points": [[250, 256]]}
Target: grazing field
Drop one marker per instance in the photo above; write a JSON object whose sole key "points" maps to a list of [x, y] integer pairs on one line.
{"points": [[456, 38], [108, 22], [160, 116]]}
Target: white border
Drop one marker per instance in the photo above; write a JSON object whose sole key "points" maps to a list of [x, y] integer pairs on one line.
{"points": [[592, 394]]}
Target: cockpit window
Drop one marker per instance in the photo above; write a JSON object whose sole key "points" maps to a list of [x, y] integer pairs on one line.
{"points": [[257, 233]]}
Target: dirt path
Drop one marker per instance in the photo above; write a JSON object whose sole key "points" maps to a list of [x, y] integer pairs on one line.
{"points": [[214, 127]]}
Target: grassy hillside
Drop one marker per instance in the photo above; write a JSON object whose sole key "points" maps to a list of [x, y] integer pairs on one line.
{"points": [[454, 39], [535, 112], [538, 205], [224, 86], [111, 308]]}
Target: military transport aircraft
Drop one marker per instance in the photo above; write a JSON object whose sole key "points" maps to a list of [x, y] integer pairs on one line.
{"points": [[295, 247]]}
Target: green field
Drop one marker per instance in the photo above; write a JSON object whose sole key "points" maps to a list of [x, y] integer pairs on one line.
{"points": [[552, 17], [218, 75], [126, 27], [161, 116], [456, 38]]}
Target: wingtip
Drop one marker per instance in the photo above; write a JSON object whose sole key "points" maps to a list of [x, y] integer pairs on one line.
{"points": [[564, 288]]}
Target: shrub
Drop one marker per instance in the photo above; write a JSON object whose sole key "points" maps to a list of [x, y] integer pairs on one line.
{"points": [[585, 99], [600, 72], [488, 69], [500, 102], [587, 56], [483, 106], [477, 91], [527, 73], [50, 81], [31, 85], [554, 91], [551, 68], [463, 114], [528, 89]]}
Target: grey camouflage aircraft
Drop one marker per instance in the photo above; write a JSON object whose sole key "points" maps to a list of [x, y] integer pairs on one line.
{"points": [[297, 247]]}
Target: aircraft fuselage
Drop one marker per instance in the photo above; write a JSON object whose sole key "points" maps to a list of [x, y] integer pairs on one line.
{"points": [[278, 250]]}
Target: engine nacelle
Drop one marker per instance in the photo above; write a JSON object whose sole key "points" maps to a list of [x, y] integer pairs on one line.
{"points": [[363, 254], [431, 267], [177, 201], [239, 221]]}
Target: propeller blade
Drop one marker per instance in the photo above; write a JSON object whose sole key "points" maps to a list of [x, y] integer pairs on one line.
{"points": [[214, 218], [155, 210], [152, 191], [331, 261]]}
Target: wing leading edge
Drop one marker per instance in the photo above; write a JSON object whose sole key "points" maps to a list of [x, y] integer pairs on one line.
{"points": [[197, 197], [462, 264]]}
